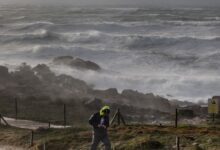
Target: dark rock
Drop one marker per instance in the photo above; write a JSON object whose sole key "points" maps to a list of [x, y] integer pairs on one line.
{"points": [[42, 69], [112, 92], [25, 76], [3, 71], [82, 64], [44, 73], [76, 63], [41, 81], [69, 82], [94, 104], [63, 60], [4, 74], [146, 100]]}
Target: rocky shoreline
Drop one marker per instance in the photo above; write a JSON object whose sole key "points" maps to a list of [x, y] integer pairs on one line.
{"points": [[39, 85]]}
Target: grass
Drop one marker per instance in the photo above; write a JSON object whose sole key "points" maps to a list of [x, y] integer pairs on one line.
{"points": [[132, 137]]}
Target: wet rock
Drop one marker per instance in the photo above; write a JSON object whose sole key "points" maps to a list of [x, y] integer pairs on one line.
{"points": [[76, 63], [105, 94], [4, 75], [3, 71], [150, 100], [82, 64], [63, 60], [95, 104], [44, 72]]}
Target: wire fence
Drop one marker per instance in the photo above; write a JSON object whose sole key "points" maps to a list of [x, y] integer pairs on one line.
{"points": [[69, 113], [56, 112]]}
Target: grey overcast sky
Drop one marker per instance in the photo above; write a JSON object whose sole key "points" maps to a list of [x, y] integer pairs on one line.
{"points": [[193, 3]]}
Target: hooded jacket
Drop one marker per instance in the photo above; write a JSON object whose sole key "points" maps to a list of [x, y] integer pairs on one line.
{"points": [[99, 119]]}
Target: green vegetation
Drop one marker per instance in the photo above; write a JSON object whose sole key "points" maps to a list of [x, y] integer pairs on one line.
{"points": [[132, 137]]}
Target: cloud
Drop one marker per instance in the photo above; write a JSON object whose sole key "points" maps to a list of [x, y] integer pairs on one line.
{"points": [[119, 2]]}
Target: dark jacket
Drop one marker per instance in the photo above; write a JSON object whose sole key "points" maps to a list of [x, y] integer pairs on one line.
{"points": [[95, 120]]}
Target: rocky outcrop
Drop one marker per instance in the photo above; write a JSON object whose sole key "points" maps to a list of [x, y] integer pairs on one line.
{"points": [[76, 63], [130, 112], [4, 74], [109, 93], [41, 81], [94, 104], [4, 71], [44, 73], [146, 100], [133, 98], [63, 60]]}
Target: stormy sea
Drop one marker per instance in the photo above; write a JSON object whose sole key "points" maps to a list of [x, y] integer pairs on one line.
{"points": [[174, 53]]}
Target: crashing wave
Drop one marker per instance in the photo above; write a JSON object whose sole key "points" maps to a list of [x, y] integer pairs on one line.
{"points": [[19, 18], [32, 25], [139, 42], [40, 35]]}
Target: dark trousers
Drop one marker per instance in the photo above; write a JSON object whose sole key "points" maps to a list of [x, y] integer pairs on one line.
{"points": [[103, 137]]}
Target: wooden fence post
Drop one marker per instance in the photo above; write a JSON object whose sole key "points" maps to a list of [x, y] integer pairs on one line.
{"points": [[213, 117], [44, 146], [119, 117], [32, 138], [3, 120], [176, 118], [16, 108], [64, 115], [177, 143]]}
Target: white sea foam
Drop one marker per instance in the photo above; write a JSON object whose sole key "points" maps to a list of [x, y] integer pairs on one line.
{"points": [[34, 23], [19, 18], [162, 51], [195, 23]]}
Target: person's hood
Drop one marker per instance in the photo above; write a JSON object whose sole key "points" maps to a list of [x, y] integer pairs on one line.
{"points": [[101, 112]]}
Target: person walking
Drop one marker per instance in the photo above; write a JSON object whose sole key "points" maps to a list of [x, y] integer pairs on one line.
{"points": [[100, 123]]}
